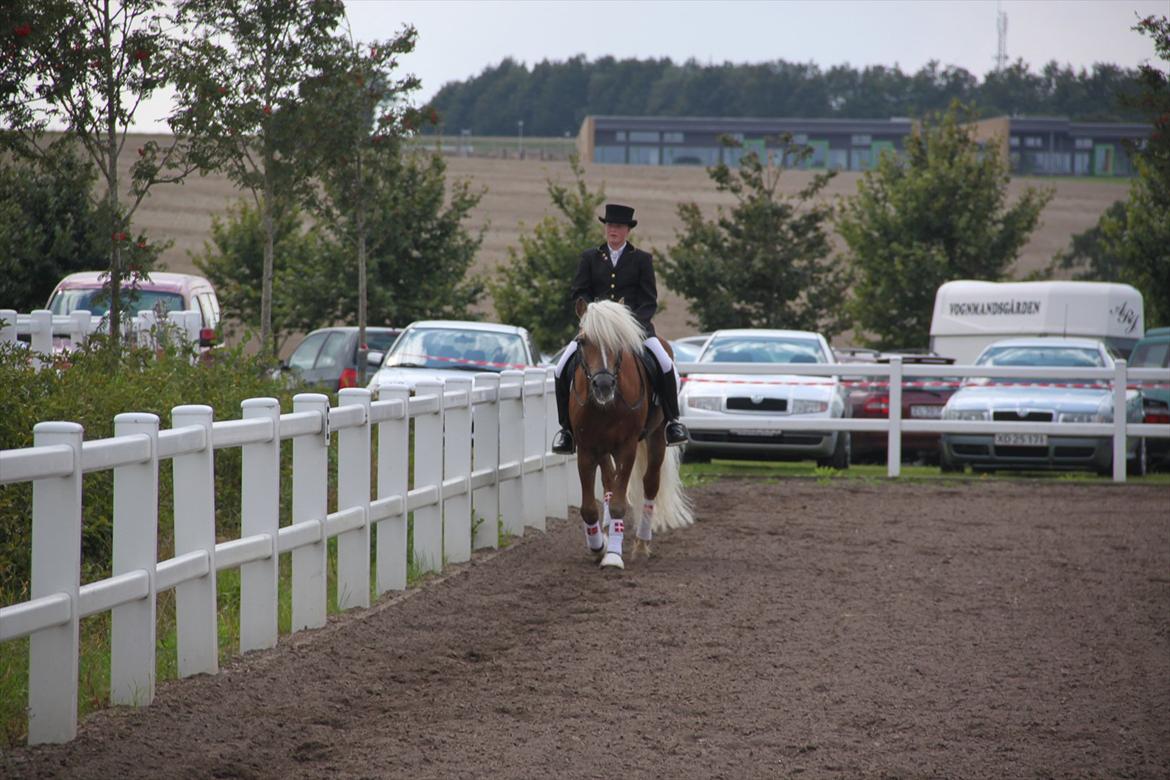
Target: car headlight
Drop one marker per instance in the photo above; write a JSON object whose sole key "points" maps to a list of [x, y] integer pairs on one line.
{"points": [[966, 414], [705, 402], [808, 406], [1079, 417]]}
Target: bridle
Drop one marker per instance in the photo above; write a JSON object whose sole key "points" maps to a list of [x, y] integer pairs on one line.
{"points": [[604, 371]]}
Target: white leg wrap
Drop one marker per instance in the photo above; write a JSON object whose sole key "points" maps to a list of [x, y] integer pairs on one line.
{"points": [[568, 353], [593, 536], [646, 523], [617, 529], [664, 361]]}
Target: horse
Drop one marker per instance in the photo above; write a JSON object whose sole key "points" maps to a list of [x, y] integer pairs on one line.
{"points": [[617, 429]]}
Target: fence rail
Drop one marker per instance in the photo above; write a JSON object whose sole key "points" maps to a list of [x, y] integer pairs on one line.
{"points": [[479, 457]]}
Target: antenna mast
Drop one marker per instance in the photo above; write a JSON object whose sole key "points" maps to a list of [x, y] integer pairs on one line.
{"points": [[1001, 30]]}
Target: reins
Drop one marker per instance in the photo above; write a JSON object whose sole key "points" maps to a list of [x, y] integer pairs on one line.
{"points": [[616, 374]]}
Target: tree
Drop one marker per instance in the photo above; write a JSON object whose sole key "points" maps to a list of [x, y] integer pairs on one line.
{"points": [[87, 65], [357, 116], [1141, 240], [1089, 255], [233, 260], [937, 213], [532, 288], [766, 263], [238, 97], [49, 226]]}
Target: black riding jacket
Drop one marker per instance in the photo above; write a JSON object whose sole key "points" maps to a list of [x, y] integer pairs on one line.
{"points": [[631, 282]]}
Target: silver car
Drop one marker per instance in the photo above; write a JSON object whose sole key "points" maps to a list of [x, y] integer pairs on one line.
{"points": [[738, 398], [434, 350], [1038, 400]]}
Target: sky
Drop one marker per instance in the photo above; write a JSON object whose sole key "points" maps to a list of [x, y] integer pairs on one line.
{"points": [[457, 39]]}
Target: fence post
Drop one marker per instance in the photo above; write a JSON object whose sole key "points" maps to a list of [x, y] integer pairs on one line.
{"points": [[1119, 420], [41, 333], [56, 568], [260, 488], [79, 321], [393, 480], [132, 634], [534, 447], [512, 450], [195, 601], [457, 465], [353, 490], [310, 489], [7, 326], [486, 429], [894, 440], [428, 471], [556, 503]]}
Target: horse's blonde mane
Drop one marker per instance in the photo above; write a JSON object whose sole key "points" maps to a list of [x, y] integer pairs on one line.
{"points": [[613, 327]]}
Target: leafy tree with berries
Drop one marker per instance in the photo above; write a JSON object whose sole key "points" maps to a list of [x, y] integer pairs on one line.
{"points": [[239, 99], [86, 66]]}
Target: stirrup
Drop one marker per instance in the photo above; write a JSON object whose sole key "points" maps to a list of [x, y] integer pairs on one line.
{"points": [[676, 433], [563, 444]]}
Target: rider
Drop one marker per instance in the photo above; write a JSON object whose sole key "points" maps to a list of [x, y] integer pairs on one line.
{"points": [[616, 271]]}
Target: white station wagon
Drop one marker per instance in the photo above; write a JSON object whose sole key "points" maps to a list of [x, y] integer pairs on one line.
{"points": [[738, 398]]}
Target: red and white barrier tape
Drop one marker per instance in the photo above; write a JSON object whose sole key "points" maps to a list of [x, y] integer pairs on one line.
{"points": [[925, 384]]}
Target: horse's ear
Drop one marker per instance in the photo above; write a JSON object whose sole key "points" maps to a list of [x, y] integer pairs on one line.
{"points": [[622, 300], [581, 306]]}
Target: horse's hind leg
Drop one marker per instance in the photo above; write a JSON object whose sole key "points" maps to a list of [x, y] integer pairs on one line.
{"points": [[655, 455], [594, 536]]}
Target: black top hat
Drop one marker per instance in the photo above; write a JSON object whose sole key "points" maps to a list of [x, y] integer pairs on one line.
{"points": [[620, 215]]}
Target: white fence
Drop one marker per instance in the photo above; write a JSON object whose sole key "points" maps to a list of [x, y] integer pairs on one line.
{"points": [[479, 456], [42, 326], [1119, 376]]}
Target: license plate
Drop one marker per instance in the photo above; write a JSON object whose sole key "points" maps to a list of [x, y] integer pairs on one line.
{"points": [[758, 432], [1021, 439], [929, 412]]}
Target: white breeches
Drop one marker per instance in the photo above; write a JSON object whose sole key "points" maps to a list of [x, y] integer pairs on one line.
{"points": [[655, 346]]}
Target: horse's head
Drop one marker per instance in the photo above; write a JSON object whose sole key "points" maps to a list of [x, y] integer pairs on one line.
{"points": [[608, 331]]}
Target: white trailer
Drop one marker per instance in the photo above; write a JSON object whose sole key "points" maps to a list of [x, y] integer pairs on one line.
{"points": [[969, 315]]}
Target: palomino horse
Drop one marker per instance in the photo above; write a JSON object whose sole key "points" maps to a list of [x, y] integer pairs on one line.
{"points": [[617, 429]]}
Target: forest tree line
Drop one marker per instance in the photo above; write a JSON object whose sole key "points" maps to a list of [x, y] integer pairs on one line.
{"points": [[552, 98]]}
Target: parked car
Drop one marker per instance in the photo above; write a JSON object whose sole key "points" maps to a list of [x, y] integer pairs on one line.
{"points": [[328, 357], [1039, 400], [687, 349], [923, 398], [1153, 351], [162, 292], [437, 349], [740, 397]]}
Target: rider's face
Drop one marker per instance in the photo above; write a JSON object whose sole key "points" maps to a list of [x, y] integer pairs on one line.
{"points": [[615, 234]]}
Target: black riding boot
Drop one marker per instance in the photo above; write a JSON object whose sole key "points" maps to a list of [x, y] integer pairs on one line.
{"points": [[676, 432], [562, 442]]}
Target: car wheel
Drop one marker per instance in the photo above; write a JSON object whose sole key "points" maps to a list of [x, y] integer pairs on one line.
{"points": [[842, 453], [1139, 466]]}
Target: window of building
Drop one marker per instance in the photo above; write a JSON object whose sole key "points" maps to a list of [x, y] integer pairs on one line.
{"points": [[862, 139], [644, 136], [1084, 143], [861, 160], [644, 155], [690, 155], [800, 138], [838, 159], [620, 135], [673, 138], [609, 154], [1033, 142]]}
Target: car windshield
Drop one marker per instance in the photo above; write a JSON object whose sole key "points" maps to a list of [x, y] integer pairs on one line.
{"points": [[97, 301], [1151, 353], [685, 352], [762, 349], [1039, 356], [472, 350]]}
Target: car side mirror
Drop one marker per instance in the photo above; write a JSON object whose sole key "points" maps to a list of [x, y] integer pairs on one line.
{"points": [[374, 358]]}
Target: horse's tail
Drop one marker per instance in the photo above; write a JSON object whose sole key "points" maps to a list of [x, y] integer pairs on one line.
{"points": [[672, 508]]}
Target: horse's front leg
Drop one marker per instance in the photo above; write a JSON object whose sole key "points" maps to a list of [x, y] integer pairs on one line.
{"points": [[594, 536], [616, 505]]}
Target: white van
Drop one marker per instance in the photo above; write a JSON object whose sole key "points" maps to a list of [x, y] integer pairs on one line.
{"points": [[969, 315]]}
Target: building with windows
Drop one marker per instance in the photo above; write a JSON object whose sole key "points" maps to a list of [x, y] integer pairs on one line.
{"points": [[1033, 146]]}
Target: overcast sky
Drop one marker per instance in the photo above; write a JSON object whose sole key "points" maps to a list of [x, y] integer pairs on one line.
{"points": [[457, 39]]}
